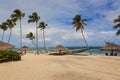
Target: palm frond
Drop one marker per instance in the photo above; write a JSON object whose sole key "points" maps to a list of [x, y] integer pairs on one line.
{"points": [[42, 25], [78, 22], [34, 17], [118, 32], [30, 36], [116, 26], [31, 21]]}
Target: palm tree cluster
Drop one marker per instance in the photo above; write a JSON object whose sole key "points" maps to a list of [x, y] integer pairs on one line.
{"points": [[17, 15], [117, 26], [34, 18], [9, 23]]}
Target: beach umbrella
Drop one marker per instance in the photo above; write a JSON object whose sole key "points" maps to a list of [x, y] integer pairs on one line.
{"points": [[4, 45], [60, 48], [111, 47]]}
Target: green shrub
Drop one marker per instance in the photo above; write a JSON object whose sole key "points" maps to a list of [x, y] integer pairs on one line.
{"points": [[9, 55]]}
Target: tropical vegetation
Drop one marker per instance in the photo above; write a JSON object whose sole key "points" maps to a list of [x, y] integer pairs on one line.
{"points": [[42, 26], [9, 55], [18, 15], [34, 18], [4, 27], [10, 23], [78, 23], [31, 37], [117, 25]]}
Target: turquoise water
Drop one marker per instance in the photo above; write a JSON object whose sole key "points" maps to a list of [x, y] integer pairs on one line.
{"points": [[94, 50]]}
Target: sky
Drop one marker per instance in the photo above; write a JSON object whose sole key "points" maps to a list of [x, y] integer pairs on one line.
{"points": [[58, 14]]}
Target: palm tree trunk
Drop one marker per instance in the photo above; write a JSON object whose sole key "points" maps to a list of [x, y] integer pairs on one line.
{"points": [[34, 44], [10, 35], [3, 35], [37, 38], [20, 34], [85, 41], [44, 41]]}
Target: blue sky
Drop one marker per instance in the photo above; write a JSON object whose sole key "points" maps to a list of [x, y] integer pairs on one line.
{"points": [[58, 15]]}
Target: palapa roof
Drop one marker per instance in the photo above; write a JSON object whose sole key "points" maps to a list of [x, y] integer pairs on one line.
{"points": [[25, 48], [4, 45], [111, 46], [60, 47]]}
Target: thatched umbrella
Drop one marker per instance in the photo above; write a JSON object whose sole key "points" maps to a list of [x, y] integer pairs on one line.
{"points": [[25, 48], [111, 47], [4, 45], [60, 48]]}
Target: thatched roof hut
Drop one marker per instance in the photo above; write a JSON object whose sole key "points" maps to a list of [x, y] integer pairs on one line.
{"points": [[24, 48], [4, 45], [111, 47], [60, 48]]}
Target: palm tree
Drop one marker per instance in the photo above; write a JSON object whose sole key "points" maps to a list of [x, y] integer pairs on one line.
{"points": [[31, 37], [34, 18], [4, 27], [117, 25], [10, 23], [42, 26], [78, 23], [18, 15]]}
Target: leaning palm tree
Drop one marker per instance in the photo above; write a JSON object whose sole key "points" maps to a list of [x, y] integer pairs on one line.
{"points": [[78, 23], [10, 23], [18, 15], [34, 18], [117, 25], [31, 37], [4, 27], [42, 26]]}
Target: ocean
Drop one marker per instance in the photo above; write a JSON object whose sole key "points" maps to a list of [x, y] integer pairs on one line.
{"points": [[94, 50]]}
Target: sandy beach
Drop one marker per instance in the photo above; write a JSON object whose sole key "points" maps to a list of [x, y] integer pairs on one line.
{"points": [[69, 67]]}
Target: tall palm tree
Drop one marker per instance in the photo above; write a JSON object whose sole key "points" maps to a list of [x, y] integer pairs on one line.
{"points": [[4, 27], [10, 23], [18, 15], [78, 23], [117, 25], [34, 18], [31, 37], [42, 26]]}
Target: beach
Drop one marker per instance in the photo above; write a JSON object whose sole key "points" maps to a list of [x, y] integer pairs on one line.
{"points": [[67, 67]]}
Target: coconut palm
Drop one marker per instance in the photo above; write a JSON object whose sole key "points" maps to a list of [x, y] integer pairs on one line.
{"points": [[18, 15], [117, 25], [31, 37], [34, 18], [78, 23], [10, 23], [42, 26], [4, 27]]}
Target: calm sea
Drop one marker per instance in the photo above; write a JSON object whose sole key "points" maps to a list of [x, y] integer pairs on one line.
{"points": [[94, 50]]}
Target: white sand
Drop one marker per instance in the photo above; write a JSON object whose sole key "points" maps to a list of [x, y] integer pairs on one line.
{"points": [[47, 67]]}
